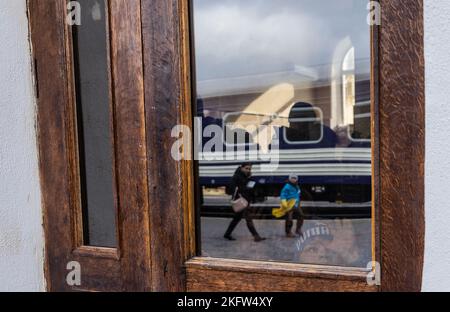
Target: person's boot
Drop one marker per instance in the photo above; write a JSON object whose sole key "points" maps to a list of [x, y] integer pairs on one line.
{"points": [[298, 230], [288, 227], [290, 235], [229, 237], [259, 239]]}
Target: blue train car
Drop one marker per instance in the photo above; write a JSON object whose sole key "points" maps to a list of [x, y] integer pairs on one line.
{"points": [[334, 165]]}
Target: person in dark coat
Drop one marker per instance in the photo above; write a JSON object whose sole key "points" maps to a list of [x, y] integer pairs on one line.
{"points": [[240, 181]]}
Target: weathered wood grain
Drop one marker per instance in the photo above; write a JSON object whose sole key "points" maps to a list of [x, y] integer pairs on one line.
{"points": [[402, 144], [131, 148], [207, 274], [126, 268], [47, 35], [165, 98]]}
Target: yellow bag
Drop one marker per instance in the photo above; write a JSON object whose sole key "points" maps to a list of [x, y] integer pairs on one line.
{"points": [[286, 206]]}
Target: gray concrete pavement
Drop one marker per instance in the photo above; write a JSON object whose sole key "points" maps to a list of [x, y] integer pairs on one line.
{"points": [[326, 242]]}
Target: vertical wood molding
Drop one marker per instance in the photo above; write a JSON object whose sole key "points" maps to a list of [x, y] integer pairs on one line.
{"points": [[131, 149], [402, 144], [164, 101], [47, 36]]}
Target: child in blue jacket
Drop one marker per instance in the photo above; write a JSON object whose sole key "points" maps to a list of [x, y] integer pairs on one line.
{"points": [[290, 200]]}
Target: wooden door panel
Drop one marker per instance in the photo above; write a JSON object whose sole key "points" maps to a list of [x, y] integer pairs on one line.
{"points": [[126, 267]]}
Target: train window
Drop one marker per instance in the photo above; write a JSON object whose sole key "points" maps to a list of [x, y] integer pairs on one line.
{"points": [[361, 127], [356, 100], [94, 115], [288, 84], [305, 125], [242, 135], [241, 128]]}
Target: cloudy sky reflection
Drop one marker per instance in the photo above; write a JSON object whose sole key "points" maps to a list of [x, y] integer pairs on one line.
{"points": [[236, 38]]}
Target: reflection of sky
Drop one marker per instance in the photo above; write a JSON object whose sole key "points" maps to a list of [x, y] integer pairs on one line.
{"points": [[251, 37]]}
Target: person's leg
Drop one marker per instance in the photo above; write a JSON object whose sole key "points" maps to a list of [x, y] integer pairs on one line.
{"points": [[236, 219], [251, 226], [300, 221], [289, 223]]}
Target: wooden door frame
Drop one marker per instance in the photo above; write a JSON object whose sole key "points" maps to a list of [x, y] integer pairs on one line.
{"points": [[126, 267], [158, 243], [398, 128]]}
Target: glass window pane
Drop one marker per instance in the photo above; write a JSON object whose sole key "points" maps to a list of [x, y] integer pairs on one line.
{"points": [[90, 47], [283, 104]]}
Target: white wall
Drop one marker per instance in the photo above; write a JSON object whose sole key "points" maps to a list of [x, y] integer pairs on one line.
{"points": [[21, 235], [437, 194]]}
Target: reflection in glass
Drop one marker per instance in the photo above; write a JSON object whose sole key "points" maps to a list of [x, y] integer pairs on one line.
{"points": [[90, 49], [289, 79]]}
